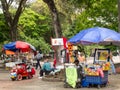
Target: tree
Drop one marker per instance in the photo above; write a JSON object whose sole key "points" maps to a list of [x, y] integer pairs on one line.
{"points": [[12, 18], [3, 30], [55, 18], [101, 13], [119, 15], [56, 23]]}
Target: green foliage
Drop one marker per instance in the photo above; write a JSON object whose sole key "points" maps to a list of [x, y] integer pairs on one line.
{"points": [[36, 28], [40, 44], [111, 47], [34, 24], [91, 13], [40, 7], [89, 49], [101, 13], [4, 32]]}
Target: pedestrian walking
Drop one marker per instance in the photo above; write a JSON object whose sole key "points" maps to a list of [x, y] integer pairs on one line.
{"points": [[38, 57]]}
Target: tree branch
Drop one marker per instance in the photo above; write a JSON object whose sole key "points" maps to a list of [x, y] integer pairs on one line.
{"points": [[6, 12], [19, 10], [10, 2]]}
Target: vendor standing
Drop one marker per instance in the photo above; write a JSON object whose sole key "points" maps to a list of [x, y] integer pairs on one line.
{"points": [[81, 57], [112, 64]]}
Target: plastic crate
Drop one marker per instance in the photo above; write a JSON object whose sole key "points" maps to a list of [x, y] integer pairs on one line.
{"points": [[97, 79]]}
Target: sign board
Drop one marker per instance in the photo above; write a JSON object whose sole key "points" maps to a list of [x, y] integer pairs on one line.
{"points": [[57, 41], [75, 48], [101, 55]]}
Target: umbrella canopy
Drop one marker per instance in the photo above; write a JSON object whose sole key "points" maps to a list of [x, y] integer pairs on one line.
{"points": [[10, 46], [32, 47], [95, 35], [22, 45], [18, 45]]}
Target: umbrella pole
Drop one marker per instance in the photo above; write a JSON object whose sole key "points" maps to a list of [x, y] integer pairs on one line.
{"points": [[119, 55], [95, 53], [118, 51], [18, 57]]}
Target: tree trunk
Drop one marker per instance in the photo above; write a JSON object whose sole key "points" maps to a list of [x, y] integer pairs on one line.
{"points": [[56, 24], [55, 18], [13, 33], [119, 15], [12, 20]]}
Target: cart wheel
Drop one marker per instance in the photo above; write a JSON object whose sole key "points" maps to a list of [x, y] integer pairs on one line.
{"points": [[88, 86], [19, 77], [13, 79], [98, 86], [78, 85], [29, 76], [105, 85], [65, 85], [26, 77]]}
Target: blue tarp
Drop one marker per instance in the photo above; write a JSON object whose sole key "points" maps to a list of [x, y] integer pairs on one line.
{"points": [[10, 46]]}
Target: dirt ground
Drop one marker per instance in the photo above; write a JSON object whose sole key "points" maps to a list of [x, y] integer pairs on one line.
{"points": [[38, 84]]}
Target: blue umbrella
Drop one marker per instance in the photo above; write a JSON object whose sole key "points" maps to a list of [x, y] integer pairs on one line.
{"points": [[95, 35]]}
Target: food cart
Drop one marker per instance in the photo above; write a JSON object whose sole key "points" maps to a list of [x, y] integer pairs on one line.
{"points": [[99, 70], [93, 74], [17, 51], [97, 73]]}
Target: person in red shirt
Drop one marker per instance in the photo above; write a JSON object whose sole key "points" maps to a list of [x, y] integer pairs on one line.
{"points": [[54, 63]]}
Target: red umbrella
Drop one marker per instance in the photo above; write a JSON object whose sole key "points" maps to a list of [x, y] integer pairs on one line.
{"points": [[22, 46]]}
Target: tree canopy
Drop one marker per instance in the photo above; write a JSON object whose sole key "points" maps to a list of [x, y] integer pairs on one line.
{"points": [[32, 21]]}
